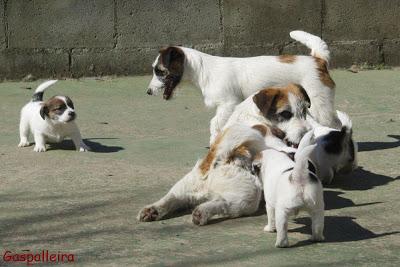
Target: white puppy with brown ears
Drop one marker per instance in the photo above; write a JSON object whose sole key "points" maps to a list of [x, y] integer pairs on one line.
{"points": [[49, 121], [290, 186], [227, 81], [222, 183], [281, 110]]}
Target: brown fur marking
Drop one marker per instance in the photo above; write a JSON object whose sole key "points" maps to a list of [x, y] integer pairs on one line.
{"points": [[53, 107], [208, 160], [323, 73], [287, 59], [263, 129]]}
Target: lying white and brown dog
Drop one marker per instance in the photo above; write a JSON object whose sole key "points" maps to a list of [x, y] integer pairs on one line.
{"points": [[280, 110], [290, 186], [226, 81], [222, 183], [336, 152], [49, 121]]}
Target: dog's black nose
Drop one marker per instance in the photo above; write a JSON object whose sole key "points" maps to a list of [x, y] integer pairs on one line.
{"points": [[71, 114], [149, 92]]}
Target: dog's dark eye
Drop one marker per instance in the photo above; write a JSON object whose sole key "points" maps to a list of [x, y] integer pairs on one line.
{"points": [[286, 114], [158, 71]]}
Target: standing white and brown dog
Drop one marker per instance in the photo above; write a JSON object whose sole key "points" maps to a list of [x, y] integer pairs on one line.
{"points": [[227, 81], [49, 121]]}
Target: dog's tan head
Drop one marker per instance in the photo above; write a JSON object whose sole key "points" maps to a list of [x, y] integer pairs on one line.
{"points": [[58, 109], [286, 109], [167, 71]]}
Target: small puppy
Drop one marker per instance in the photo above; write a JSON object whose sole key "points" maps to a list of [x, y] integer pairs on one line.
{"points": [[281, 109], [336, 152], [222, 183], [290, 186], [49, 121]]}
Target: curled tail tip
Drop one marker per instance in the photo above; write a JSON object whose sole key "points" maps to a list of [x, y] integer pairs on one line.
{"points": [[38, 95]]}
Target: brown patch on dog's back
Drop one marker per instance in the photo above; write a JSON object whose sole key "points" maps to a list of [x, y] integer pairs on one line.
{"points": [[323, 73], [263, 129], [287, 59], [208, 160]]}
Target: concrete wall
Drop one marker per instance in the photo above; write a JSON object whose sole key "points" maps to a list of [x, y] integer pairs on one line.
{"points": [[101, 37]]}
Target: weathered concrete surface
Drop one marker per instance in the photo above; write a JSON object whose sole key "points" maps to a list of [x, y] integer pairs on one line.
{"points": [[122, 37], [249, 25], [153, 23], [60, 24], [86, 203]]}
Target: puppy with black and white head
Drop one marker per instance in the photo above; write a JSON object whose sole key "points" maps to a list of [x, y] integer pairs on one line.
{"points": [[336, 152], [49, 121], [290, 186]]}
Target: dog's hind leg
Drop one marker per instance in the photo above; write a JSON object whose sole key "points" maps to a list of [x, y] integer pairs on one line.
{"points": [[181, 195], [317, 218], [202, 213], [270, 227], [281, 221], [23, 132]]}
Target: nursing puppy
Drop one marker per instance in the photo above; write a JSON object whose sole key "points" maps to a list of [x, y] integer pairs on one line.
{"points": [[227, 81], [290, 186], [281, 110], [336, 152], [222, 183], [49, 121]]}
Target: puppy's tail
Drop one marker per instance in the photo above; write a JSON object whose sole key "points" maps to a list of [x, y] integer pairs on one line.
{"points": [[345, 120], [239, 140], [304, 169], [318, 47], [38, 95]]}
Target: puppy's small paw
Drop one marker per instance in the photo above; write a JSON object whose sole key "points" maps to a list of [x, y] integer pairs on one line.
{"points": [[38, 148], [269, 228], [84, 149], [148, 214], [284, 243], [23, 144], [199, 217], [317, 238]]}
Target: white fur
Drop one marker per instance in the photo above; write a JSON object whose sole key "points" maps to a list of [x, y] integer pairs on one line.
{"points": [[227, 81], [47, 130], [288, 188], [328, 165], [227, 189]]}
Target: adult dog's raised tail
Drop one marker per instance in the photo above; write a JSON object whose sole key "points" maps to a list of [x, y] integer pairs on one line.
{"points": [[318, 47]]}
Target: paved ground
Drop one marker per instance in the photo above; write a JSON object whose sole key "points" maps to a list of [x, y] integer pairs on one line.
{"points": [[86, 203]]}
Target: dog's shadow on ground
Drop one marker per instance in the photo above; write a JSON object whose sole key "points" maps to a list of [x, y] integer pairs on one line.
{"points": [[337, 229], [361, 180], [371, 146], [94, 146]]}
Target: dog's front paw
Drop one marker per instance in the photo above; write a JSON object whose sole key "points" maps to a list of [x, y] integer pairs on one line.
{"points": [[39, 148], [84, 149], [148, 214], [23, 143], [284, 243], [269, 228], [318, 238], [199, 217]]}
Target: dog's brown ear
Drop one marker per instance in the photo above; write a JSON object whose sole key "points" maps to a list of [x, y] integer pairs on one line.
{"points": [[44, 111], [299, 90], [264, 100], [172, 58], [305, 95]]}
